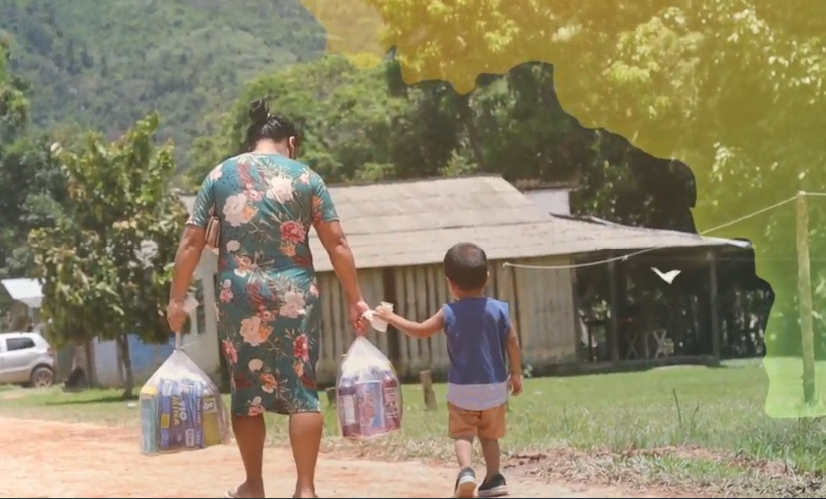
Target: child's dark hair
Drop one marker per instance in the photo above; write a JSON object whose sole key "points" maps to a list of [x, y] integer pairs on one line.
{"points": [[268, 126], [466, 266]]}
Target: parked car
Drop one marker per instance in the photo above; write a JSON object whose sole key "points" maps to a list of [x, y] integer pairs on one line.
{"points": [[26, 359]]}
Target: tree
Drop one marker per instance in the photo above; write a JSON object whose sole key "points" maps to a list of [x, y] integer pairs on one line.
{"points": [[32, 195], [731, 88], [14, 107], [105, 263], [350, 122]]}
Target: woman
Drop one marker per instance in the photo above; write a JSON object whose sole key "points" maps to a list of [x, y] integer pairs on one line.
{"points": [[268, 305]]}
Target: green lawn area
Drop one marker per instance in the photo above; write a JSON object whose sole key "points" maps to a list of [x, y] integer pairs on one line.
{"points": [[719, 409]]}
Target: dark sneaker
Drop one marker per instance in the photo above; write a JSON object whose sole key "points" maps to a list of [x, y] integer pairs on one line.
{"points": [[494, 486], [465, 484]]}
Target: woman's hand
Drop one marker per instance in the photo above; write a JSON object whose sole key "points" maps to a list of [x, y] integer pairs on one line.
{"points": [[176, 315], [357, 320]]}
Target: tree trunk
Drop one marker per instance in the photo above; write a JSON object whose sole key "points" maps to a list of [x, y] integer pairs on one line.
{"points": [[126, 362]]}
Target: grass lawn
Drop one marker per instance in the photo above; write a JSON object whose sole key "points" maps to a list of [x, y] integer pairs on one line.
{"points": [[683, 424]]}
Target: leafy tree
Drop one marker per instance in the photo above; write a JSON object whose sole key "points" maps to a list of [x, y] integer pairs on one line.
{"points": [[32, 195], [29, 187], [14, 107], [350, 122], [105, 264], [731, 88]]}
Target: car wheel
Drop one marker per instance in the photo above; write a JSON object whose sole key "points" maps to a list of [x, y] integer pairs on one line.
{"points": [[42, 377]]}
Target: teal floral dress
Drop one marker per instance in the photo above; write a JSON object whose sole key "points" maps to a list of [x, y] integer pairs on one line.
{"points": [[269, 318]]}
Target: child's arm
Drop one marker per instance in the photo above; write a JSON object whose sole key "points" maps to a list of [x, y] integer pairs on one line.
{"points": [[515, 360], [420, 330]]}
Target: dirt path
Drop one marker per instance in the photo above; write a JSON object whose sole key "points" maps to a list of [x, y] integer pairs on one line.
{"points": [[51, 459]]}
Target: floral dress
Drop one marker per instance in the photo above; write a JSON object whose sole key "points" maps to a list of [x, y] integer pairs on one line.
{"points": [[269, 318]]}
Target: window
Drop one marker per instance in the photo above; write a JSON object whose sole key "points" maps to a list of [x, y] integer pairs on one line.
{"points": [[14, 344]]}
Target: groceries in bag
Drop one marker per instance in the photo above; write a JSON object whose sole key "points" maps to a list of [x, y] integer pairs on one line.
{"points": [[368, 393], [181, 409]]}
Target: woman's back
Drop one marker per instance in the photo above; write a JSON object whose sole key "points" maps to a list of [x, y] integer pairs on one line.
{"points": [[269, 309], [267, 204]]}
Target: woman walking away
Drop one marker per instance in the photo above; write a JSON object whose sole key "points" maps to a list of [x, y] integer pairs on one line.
{"points": [[269, 315]]}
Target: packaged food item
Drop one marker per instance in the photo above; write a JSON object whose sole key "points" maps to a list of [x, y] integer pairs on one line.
{"points": [[181, 409], [368, 393]]}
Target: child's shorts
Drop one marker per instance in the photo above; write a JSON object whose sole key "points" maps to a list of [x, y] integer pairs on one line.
{"points": [[488, 424]]}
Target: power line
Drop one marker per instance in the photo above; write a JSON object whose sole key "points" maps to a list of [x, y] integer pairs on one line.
{"points": [[647, 250], [750, 215]]}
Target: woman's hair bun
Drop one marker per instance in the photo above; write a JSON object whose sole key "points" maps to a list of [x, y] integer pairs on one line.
{"points": [[259, 112]]}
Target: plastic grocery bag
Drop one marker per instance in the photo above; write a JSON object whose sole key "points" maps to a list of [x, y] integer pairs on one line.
{"points": [[368, 393], [181, 408]]}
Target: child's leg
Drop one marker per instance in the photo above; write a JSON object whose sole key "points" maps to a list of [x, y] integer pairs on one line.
{"points": [[492, 454], [462, 429], [491, 429], [464, 451]]}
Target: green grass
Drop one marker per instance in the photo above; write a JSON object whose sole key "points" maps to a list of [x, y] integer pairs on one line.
{"points": [[697, 424]]}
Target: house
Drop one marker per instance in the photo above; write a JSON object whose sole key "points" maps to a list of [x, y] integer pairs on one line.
{"points": [[24, 298], [399, 232]]}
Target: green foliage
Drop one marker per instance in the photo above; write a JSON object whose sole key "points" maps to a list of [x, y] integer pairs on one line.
{"points": [[104, 65], [105, 263], [32, 195], [367, 125], [13, 103], [733, 88], [346, 115]]}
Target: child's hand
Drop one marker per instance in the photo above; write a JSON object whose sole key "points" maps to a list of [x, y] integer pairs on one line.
{"points": [[515, 383], [384, 313]]}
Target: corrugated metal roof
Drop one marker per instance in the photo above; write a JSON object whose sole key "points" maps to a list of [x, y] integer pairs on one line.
{"points": [[414, 223], [28, 291]]}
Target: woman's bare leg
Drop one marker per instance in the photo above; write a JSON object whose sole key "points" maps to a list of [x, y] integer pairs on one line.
{"points": [[250, 433], [305, 438]]}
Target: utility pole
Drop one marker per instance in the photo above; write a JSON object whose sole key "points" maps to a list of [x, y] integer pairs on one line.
{"points": [[804, 299]]}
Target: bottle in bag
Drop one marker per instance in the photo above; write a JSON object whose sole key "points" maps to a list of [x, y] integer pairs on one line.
{"points": [[370, 408], [391, 392], [347, 411]]}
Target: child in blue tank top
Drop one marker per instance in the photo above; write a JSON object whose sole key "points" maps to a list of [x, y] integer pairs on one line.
{"points": [[480, 342]]}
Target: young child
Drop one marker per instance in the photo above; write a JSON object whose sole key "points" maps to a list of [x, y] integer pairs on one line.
{"points": [[479, 337]]}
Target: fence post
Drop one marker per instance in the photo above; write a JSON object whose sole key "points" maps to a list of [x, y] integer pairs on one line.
{"points": [[426, 378]]}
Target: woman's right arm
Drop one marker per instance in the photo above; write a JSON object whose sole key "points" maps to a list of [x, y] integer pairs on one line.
{"points": [[335, 242], [332, 237]]}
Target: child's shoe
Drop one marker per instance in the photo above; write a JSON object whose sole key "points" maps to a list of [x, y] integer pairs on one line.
{"points": [[494, 486], [465, 484]]}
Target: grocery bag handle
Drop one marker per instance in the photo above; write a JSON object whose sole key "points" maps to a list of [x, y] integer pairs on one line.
{"points": [[189, 306]]}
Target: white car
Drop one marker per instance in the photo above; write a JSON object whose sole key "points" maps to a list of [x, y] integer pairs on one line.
{"points": [[26, 359]]}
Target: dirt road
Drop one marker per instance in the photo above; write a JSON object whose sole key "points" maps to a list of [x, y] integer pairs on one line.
{"points": [[51, 459]]}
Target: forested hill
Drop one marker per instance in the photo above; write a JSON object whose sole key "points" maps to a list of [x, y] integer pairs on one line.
{"points": [[105, 64]]}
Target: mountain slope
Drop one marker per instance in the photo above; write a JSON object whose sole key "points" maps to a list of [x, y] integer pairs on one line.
{"points": [[104, 64]]}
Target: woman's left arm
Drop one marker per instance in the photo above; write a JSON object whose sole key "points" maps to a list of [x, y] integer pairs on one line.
{"points": [[189, 253]]}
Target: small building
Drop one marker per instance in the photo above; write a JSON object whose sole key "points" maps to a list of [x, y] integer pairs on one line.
{"points": [[23, 297], [399, 232]]}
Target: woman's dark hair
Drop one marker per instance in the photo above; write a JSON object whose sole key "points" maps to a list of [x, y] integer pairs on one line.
{"points": [[268, 126]]}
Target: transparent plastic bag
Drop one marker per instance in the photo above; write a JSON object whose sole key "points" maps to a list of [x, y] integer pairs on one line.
{"points": [[368, 393], [181, 408]]}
